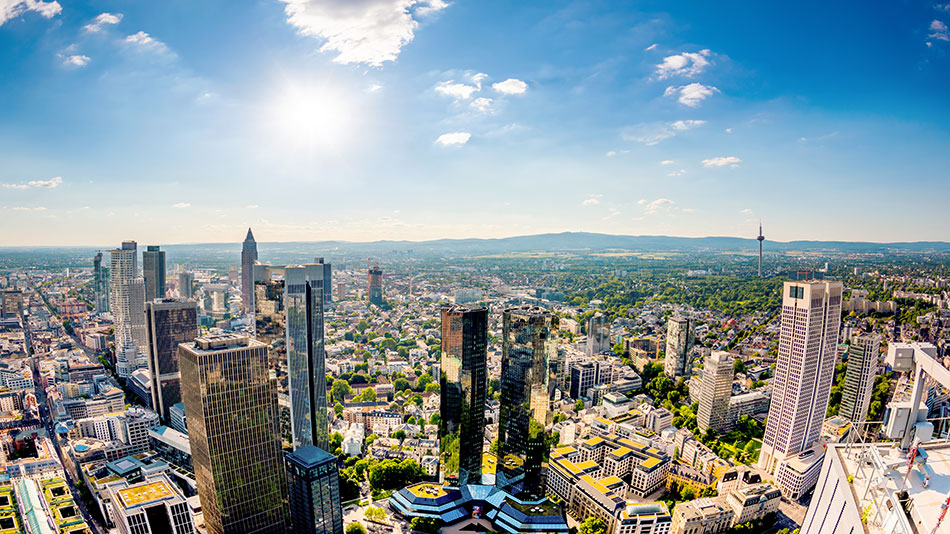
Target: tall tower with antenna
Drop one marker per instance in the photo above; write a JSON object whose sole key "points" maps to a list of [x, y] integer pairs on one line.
{"points": [[761, 238]]}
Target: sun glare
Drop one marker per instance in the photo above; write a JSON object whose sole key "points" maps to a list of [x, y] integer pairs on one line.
{"points": [[311, 117]]}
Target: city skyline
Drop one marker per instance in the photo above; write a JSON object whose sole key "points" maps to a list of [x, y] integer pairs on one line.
{"points": [[645, 119]]}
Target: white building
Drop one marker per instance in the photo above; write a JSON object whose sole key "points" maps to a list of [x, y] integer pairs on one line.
{"points": [[679, 345], [715, 393], [863, 357], [127, 303]]}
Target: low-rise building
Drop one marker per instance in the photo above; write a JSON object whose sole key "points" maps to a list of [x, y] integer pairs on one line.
{"points": [[708, 515]]}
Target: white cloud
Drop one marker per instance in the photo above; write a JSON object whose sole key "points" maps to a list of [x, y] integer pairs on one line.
{"points": [[687, 64], [146, 42], [691, 95], [181, 205], [746, 211], [458, 91], [940, 31], [101, 20], [373, 88], [453, 139], [252, 206], [728, 130], [942, 7], [478, 79], [659, 204], [76, 60], [722, 161], [360, 31], [53, 182], [651, 133], [667, 162], [651, 47], [680, 172], [14, 8], [511, 86], [593, 199], [611, 153], [22, 208], [482, 104]]}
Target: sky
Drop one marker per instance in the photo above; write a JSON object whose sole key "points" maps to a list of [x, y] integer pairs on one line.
{"points": [[187, 122]]}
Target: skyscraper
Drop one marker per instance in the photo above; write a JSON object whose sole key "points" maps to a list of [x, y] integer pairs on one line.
{"points": [[231, 406], [127, 302], [153, 271], [169, 323], [463, 384], [807, 351], [715, 392], [376, 286], [327, 280], [859, 377], [186, 284], [306, 359], [679, 344], [100, 284], [248, 258], [314, 491], [528, 345], [598, 335]]}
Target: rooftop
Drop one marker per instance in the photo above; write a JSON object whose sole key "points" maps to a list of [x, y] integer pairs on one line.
{"points": [[144, 493]]}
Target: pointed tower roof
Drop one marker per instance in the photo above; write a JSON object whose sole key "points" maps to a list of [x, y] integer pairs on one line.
{"points": [[250, 236]]}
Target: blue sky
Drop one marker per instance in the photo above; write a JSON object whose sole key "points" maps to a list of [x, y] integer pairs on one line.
{"points": [[182, 121]]}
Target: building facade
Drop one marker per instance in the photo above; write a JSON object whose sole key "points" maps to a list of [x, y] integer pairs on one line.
{"points": [[248, 259], [716, 391], [153, 271], [127, 303], [463, 384], [169, 322], [598, 335], [231, 405], [314, 491], [679, 344], [100, 283], [186, 284], [376, 286], [863, 357]]}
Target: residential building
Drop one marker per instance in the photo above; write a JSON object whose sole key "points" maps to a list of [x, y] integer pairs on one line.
{"points": [[716, 390], [679, 344], [153, 271], [231, 404], [169, 322], [528, 344], [463, 389], [807, 351], [863, 358], [314, 491]]}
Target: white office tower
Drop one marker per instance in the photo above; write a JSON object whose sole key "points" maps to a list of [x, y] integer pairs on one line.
{"points": [[807, 351], [716, 392], [598, 335], [127, 302], [679, 344], [859, 377]]}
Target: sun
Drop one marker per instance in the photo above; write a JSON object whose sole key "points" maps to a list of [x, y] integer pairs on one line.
{"points": [[311, 117]]}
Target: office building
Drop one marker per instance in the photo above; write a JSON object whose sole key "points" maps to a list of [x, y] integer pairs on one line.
{"points": [[528, 345], [859, 377], [153, 271], [306, 358], [248, 259], [679, 344], [716, 391], [376, 286], [807, 352], [127, 303], [327, 280], [12, 303], [702, 516], [463, 385], [314, 491], [154, 506], [186, 284], [598, 335], [100, 284], [231, 405], [169, 323]]}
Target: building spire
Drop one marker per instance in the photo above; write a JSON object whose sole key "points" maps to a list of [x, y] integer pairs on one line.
{"points": [[250, 236]]}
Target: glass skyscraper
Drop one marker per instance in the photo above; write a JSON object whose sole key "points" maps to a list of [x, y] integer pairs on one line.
{"points": [[248, 259], [231, 407], [463, 383], [306, 360], [100, 284], [528, 346], [169, 322], [153, 270], [314, 492]]}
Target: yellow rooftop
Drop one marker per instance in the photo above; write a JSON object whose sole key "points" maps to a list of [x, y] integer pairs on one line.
{"points": [[593, 442], [428, 491], [650, 463], [143, 493], [621, 452]]}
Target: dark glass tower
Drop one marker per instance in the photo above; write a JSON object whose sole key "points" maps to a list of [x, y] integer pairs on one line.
{"points": [[100, 284], [314, 490], [153, 270], [376, 286], [306, 360], [528, 346], [248, 258], [327, 280], [463, 384], [231, 407], [169, 322]]}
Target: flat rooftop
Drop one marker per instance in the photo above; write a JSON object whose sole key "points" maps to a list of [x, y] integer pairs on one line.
{"points": [[143, 493]]}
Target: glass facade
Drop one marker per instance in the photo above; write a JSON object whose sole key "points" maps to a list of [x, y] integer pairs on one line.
{"points": [[314, 492], [527, 387], [306, 360], [376, 286], [168, 323], [231, 406], [153, 270], [463, 384]]}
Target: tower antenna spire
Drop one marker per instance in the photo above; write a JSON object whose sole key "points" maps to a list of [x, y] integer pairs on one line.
{"points": [[760, 238]]}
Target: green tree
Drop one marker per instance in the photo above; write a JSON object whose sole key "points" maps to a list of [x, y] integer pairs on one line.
{"points": [[362, 326], [355, 528], [432, 388], [338, 409], [424, 524], [435, 419], [340, 389], [579, 405], [592, 525], [401, 384], [688, 494]]}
